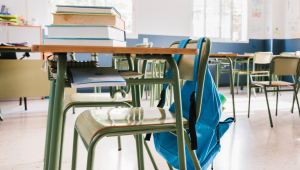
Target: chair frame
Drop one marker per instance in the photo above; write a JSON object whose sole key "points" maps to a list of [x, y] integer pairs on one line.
{"points": [[177, 129], [247, 72], [271, 77]]}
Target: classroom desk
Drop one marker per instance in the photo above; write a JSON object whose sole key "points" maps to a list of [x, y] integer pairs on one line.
{"points": [[228, 57], [55, 113], [12, 49]]}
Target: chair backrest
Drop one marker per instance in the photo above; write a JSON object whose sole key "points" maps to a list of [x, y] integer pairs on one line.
{"points": [[186, 67], [297, 53], [287, 54], [262, 57], [284, 66]]}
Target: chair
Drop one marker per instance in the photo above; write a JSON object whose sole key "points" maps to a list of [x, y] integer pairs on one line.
{"points": [[98, 99], [287, 54], [220, 68], [93, 125], [258, 58], [278, 68]]}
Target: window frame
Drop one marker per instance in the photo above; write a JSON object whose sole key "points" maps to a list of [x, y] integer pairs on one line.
{"points": [[225, 40]]}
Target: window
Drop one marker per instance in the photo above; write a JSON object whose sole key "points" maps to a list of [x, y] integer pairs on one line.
{"points": [[125, 7], [223, 20]]}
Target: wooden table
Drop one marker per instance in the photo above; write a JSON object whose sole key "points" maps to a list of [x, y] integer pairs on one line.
{"points": [[56, 97]]}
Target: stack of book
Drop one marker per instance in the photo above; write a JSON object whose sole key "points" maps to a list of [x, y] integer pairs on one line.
{"points": [[86, 25]]}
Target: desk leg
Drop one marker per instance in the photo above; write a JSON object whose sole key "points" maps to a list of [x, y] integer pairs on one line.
{"points": [[49, 124], [231, 86], [58, 113]]}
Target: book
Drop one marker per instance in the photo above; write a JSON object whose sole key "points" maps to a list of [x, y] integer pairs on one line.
{"points": [[88, 19], [85, 31], [86, 9], [79, 77], [84, 42]]}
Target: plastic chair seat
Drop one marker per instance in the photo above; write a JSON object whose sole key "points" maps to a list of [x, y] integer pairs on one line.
{"points": [[92, 122], [253, 72], [95, 97], [130, 74], [273, 83]]}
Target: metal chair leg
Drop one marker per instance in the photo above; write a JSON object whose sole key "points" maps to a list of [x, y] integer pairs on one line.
{"points": [[75, 147], [249, 102], [73, 110], [150, 154], [25, 103], [292, 109], [191, 152], [20, 101], [237, 83], [297, 100], [276, 100], [268, 106], [170, 166], [119, 143]]}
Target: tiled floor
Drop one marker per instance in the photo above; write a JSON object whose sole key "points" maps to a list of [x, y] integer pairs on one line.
{"points": [[249, 144]]}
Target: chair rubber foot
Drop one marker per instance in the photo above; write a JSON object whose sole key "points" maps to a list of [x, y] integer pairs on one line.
{"points": [[119, 149]]}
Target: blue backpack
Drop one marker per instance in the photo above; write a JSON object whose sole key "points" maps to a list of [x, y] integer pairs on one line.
{"points": [[207, 131]]}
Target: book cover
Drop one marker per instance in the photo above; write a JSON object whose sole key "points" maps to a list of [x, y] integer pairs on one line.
{"points": [[94, 76], [88, 9], [85, 31], [84, 42], [88, 19]]}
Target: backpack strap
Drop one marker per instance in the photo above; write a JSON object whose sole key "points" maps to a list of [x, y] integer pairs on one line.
{"points": [[192, 110]]}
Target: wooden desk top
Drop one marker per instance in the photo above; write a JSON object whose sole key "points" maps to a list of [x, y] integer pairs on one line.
{"points": [[15, 47], [101, 49]]}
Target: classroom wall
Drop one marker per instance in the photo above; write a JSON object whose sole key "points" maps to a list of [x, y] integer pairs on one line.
{"points": [[276, 29]]}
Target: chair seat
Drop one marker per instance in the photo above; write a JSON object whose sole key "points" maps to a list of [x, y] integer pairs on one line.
{"points": [[274, 83], [253, 72], [95, 97], [130, 74], [91, 122], [233, 71]]}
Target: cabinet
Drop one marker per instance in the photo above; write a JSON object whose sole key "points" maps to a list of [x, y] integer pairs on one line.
{"points": [[22, 33]]}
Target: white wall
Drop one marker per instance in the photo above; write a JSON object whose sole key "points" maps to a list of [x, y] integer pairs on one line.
{"points": [[163, 17]]}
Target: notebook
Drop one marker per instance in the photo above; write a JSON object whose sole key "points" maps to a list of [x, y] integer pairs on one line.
{"points": [[80, 77]]}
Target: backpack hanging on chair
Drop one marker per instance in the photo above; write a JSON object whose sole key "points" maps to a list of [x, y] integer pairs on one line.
{"points": [[205, 134]]}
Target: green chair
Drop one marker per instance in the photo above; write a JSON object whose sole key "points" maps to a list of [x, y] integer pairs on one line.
{"points": [[93, 125], [278, 67], [259, 58], [220, 68], [97, 99]]}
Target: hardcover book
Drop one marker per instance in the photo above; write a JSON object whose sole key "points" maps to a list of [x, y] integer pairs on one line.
{"points": [[86, 9], [85, 31], [88, 19], [84, 42]]}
